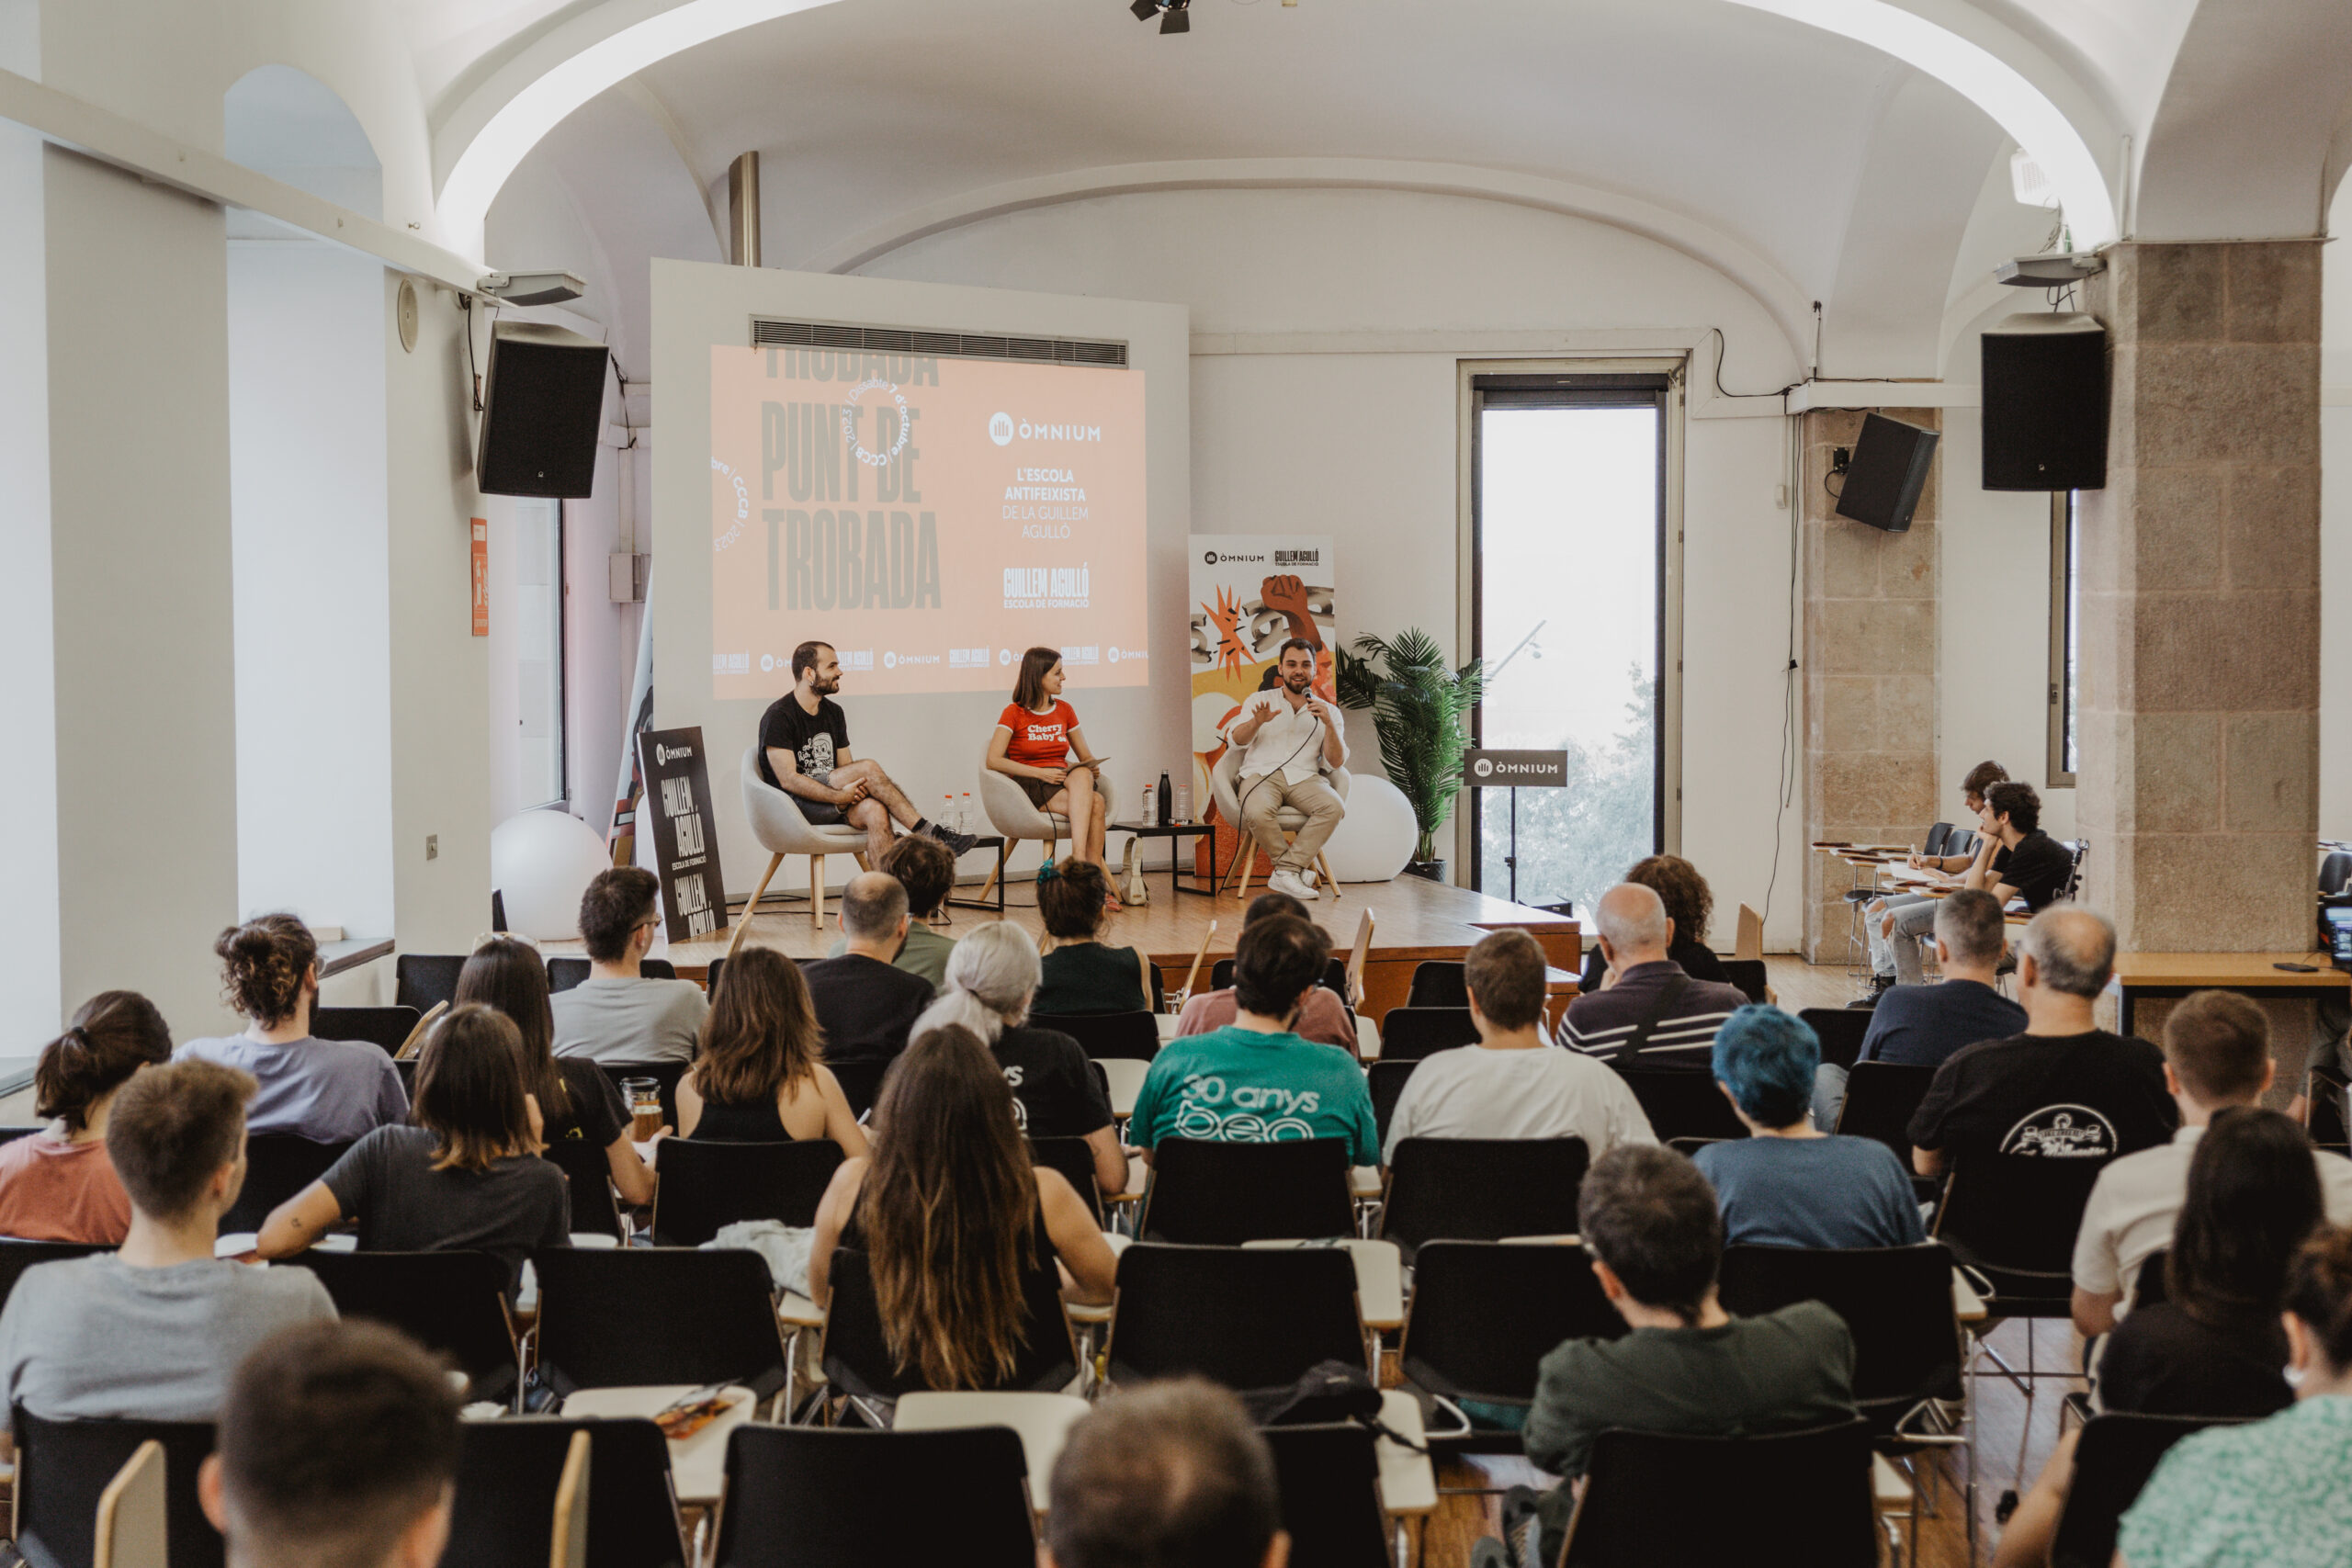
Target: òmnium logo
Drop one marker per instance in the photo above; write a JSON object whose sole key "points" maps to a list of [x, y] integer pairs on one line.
{"points": [[664, 755], [767, 663], [1482, 767], [1001, 429], [1209, 556]]}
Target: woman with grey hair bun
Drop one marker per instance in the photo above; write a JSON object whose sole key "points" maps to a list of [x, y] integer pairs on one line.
{"points": [[990, 978]]}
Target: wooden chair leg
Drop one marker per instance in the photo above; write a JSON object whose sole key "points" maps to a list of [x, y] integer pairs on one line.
{"points": [[1323, 870], [1248, 862], [743, 926], [817, 892]]}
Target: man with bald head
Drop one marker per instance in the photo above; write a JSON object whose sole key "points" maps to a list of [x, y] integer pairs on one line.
{"points": [[864, 1004], [2064, 1089], [1652, 1012]]}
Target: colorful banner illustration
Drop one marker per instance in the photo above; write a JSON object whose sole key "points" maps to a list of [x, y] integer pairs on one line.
{"points": [[1252, 593]]}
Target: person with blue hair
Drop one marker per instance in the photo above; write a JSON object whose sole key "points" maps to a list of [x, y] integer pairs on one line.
{"points": [[1788, 1184]]}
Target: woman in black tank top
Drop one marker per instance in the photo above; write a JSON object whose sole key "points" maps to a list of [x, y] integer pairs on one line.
{"points": [[760, 1078]]}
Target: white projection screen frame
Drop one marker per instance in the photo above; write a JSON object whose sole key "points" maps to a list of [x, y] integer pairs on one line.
{"points": [[931, 743]]}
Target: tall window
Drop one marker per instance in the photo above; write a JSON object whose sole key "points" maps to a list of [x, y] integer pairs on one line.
{"points": [[2065, 616], [539, 651], [1568, 519]]}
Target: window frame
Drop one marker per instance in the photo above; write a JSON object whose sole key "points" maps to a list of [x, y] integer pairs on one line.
{"points": [[560, 630]]}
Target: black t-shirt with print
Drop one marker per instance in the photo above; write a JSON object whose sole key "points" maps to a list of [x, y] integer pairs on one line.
{"points": [[594, 1111], [2072, 1096], [2037, 866], [1053, 1091], [818, 739]]}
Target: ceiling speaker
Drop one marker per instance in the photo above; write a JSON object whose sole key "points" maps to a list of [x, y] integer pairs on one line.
{"points": [[543, 407]]}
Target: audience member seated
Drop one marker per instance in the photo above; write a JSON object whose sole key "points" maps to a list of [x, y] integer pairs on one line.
{"points": [[2064, 1087], [619, 1014], [1910, 916], [2217, 1056], [331, 1091], [1323, 1014], [338, 1449], [2271, 1491], [926, 869], [954, 1222], [1514, 1083], [1166, 1475], [57, 1184], [1689, 904], [1922, 1025], [1256, 1079], [466, 1177], [1789, 1184], [762, 1078], [1653, 1013], [1650, 1221], [864, 1005], [2015, 859], [1082, 975], [153, 1331], [577, 1102], [992, 977]]}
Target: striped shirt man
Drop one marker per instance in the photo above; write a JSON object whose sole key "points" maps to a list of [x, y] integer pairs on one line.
{"points": [[1604, 1023]]}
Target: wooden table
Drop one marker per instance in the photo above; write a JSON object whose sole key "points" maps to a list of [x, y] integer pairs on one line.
{"points": [[2158, 976]]}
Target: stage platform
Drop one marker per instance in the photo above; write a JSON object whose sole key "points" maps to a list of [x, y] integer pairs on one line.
{"points": [[1413, 919]]}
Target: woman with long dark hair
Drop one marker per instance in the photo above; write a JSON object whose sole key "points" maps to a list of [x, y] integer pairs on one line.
{"points": [[576, 1099], [956, 1224], [1032, 745], [761, 1075], [58, 1184], [466, 1177]]}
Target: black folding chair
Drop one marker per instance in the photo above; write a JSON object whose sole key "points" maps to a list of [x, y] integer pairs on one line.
{"points": [[706, 1186], [1880, 1100], [454, 1303], [816, 1497], [277, 1165], [421, 979], [1485, 1314], [1840, 1031], [1247, 1317], [861, 1084], [1641, 1487], [1896, 1301], [665, 1076], [1438, 983], [1328, 1475], [2113, 1458], [10, 1135], [1747, 974], [1074, 1158], [1936, 836], [1386, 1081], [2012, 1219], [1482, 1190], [565, 973], [1335, 977], [2334, 874], [2330, 1094], [1409, 1033], [857, 1358], [15, 1256], [504, 1513], [63, 1466], [1683, 1102], [588, 1171], [1225, 1194], [1132, 1035], [614, 1318], [387, 1027]]}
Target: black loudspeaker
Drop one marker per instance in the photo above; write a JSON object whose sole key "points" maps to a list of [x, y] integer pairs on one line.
{"points": [[1888, 472], [543, 407], [2045, 403]]}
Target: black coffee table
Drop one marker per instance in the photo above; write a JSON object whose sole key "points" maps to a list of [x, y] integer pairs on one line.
{"points": [[1178, 832]]}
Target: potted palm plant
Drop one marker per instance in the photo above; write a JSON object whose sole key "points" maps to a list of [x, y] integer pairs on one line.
{"points": [[1419, 704]]}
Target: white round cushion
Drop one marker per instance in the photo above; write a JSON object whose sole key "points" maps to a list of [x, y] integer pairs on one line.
{"points": [[540, 862], [1375, 839]]}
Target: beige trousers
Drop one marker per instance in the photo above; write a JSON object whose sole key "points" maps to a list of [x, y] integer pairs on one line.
{"points": [[1267, 794]]}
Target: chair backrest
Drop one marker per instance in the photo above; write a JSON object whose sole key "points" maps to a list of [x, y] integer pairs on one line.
{"points": [[10, 1135], [454, 1303], [1225, 1194], [1747, 940], [1747, 974], [1328, 1475], [1840, 1031], [1682, 1103], [2013, 1217], [1896, 1301], [1486, 1312], [1880, 1100], [857, 1358], [1409, 1033], [1640, 1486], [665, 1076], [509, 1472], [861, 1083], [1936, 836], [706, 1186], [566, 971], [421, 979], [1386, 1081], [64, 1467], [588, 1171], [277, 1165], [1438, 983], [813, 1496], [15, 1256], [1074, 1158], [1482, 1188], [1335, 977], [131, 1528], [2113, 1458], [1359, 952], [1133, 1035], [1962, 841], [638, 1315], [1247, 1317], [2330, 1126], [2334, 874], [387, 1027]]}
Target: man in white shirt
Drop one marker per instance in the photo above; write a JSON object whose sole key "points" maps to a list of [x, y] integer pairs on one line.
{"points": [[1514, 1083], [1289, 739], [620, 1015], [2217, 1055]]}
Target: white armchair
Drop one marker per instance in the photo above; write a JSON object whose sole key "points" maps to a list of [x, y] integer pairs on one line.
{"points": [[777, 823], [1011, 814], [1224, 783]]}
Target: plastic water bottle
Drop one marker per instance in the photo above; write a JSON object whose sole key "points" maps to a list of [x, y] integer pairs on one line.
{"points": [[947, 813], [1150, 804], [1183, 802], [964, 814]]}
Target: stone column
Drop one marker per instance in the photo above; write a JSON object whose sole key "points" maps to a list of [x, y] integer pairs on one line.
{"points": [[1869, 660]]}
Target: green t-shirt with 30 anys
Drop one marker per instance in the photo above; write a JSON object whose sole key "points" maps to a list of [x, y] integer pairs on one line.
{"points": [[1236, 1086]]}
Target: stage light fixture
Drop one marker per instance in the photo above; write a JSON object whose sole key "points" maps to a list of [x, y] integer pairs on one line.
{"points": [[1144, 10], [1177, 18]]}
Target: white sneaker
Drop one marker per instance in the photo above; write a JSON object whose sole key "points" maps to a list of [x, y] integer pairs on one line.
{"points": [[1285, 880]]}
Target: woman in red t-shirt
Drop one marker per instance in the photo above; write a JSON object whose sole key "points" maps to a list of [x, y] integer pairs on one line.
{"points": [[1031, 746]]}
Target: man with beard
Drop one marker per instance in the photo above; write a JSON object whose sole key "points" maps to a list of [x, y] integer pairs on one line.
{"points": [[1289, 739], [804, 751]]}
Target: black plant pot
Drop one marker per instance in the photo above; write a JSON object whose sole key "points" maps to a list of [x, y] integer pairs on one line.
{"points": [[1429, 870]]}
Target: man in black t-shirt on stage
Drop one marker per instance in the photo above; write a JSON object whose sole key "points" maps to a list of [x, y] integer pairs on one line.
{"points": [[804, 751]]}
